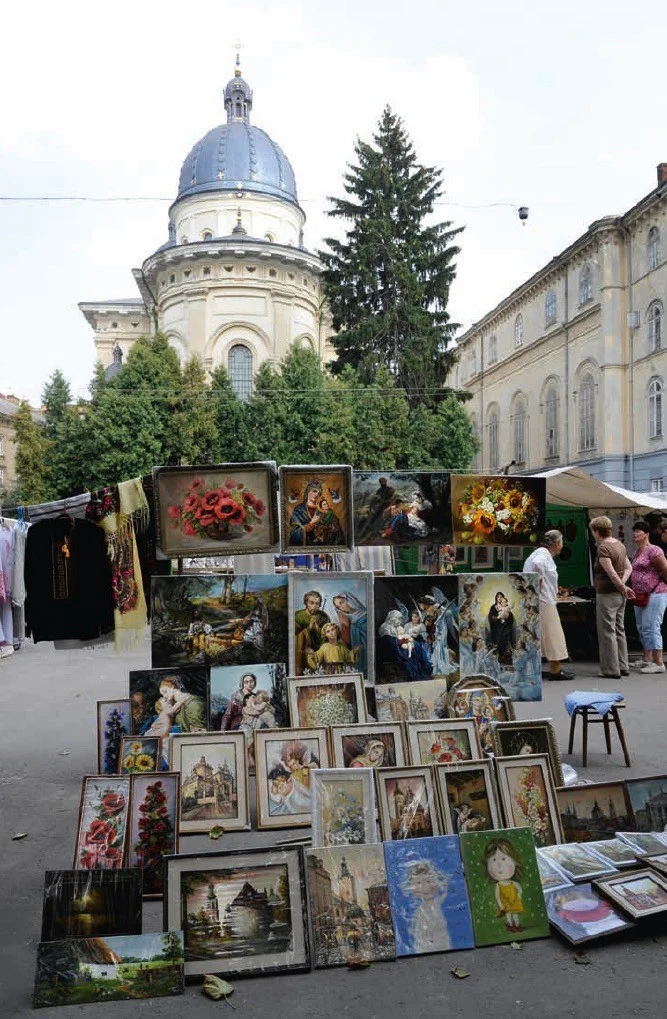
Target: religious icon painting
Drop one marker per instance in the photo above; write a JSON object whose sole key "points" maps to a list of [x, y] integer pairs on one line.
{"points": [[402, 507], [242, 912], [529, 798], [284, 761], [139, 754], [429, 899], [164, 701], [589, 813], [247, 698], [443, 742], [504, 886], [91, 903], [326, 700], [102, 828], [416, 628], [328, 633], [218, 619], [579, 913], [316, 508], [348, 902], [368, 745], [214, 786], [498, 510], [528, 736], [419, 700], [113, 721], [152, 827], [217, 510], [468, 796], [485, 705], [407, 803], [343, 806]]}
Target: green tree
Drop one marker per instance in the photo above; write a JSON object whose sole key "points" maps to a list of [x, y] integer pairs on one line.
{"points": [[231, 443], [31, 456], [152, 374], [267, 414], [121, 437], [56, 400], [458, 444], [387, 282], [304, 380], [172, 948], [381, 421], [195, 418]]}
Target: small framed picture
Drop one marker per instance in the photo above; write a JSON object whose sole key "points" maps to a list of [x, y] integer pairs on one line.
{"points": [[576, 863], [468, 796], [91, 903], [614, 852], [644, 843], [368, 745], [658, 862], [214, 784], [407, 803], [400, 702], [284, 762], [640, 893], [648, 797], [579, 913], [242, 912], [326, 700], [152, 827], [316, 508], [102, 827], [443, 742], [216, 510], [139, 754], [529, 798], [343, 807], [551, 875], [113, 722], [589, 813], [532, 736]]}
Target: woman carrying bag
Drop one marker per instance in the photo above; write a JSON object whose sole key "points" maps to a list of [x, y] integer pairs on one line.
{"points": [[649, 583]]}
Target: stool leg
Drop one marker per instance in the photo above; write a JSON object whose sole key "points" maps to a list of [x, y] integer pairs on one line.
{"points": [[573, 721], [621, 736], [584, 741], [607, 732]]}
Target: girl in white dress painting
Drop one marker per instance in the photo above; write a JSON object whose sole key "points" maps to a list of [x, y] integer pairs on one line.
{"points": [[425, 883]]}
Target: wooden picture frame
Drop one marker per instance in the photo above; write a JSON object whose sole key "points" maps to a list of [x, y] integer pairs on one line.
{"points": [[644, 843], [102, 824], [113, 721], [152, 827], [443, 742], [284, 760], [316, 508], [194, 879], [402, 507], [552, 876], [648, 799], [343, 807], [368, 745], [658, 863], [576, 862], [481, 505], [216, 800], [518, 777], [589, 813], [400, 702], [216, 509], [326, 700], [483, 703], [139, 755], [519, 738], [407, 803], [469, 785], [639, 893]]}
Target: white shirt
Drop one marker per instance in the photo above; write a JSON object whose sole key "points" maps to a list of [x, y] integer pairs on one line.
{"points": [[542, 562]]}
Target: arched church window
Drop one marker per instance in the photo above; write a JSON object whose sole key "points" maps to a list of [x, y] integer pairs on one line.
{"points": [[207, 235], [239, 368]]}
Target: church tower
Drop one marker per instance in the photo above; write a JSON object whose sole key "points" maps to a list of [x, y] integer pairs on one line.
{"points": [[347, 889], [212, 905]]}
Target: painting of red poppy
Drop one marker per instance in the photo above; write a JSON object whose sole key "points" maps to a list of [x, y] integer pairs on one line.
{"points": [[100, 841], [216, 510]]}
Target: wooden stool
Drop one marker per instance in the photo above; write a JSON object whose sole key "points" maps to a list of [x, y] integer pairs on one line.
{"points": [[586, 712]]}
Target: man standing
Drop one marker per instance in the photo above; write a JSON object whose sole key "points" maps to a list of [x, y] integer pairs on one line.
{"points": [[611, 572], [308, 623]]}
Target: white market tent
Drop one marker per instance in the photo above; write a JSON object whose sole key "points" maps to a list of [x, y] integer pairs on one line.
{"points": [[573, 486]]}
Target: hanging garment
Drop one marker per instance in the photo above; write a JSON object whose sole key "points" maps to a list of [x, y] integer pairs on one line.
{"points": [[75, 507], [6, 574], [68, 581]]}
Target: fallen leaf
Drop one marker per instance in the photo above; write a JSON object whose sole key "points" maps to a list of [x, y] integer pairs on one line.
{"points": [[516, 946], [460, 973], [215, 988], [582, 959], [64, 753], [19, 835], [216, 831], [358, 964]]}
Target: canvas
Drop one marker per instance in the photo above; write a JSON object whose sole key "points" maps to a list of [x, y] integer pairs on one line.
{"points": [[658, 863], [218, 619], [246, 699], [529, 736], [348, 902], [90, 903], [152, 827], [551, 875], [528, 797], [499, 635], [644, 843], [213, 786], [242, 912], [648, 798], [443, 742], [326, 700], [343, 807], [468, 796], [139, 754], [504, 886], [407, 803], [416, 628], [316, 508], [400, 702], [498, 510], [163, 701], [216, 510], [284, 760], [580, 914], [402, 507], [614, 851], [102, 828], [429, 900], [576, 862], [109, 969], [487, 706], [639, 893], [113, 721], [368, 745], [592, 812], [329, 624]]}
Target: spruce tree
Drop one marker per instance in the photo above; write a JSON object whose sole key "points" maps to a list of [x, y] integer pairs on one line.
{"points": [[152, 373], [56, 399], [387, 282], [231, 443], [195, 418], [31, 456]]}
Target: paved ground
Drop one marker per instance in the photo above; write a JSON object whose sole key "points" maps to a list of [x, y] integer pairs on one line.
{"points": [[47, 706]]}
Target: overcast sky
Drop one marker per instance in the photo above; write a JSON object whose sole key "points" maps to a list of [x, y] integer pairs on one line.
{"points": [[559, 109]]}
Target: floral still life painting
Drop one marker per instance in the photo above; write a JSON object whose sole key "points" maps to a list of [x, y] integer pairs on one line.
{"points": [[326, 700], [100, 841], [153, 832], [343, 807], [497, 510], [113, 722], [528, 796], [139, 754], [429, 900]]}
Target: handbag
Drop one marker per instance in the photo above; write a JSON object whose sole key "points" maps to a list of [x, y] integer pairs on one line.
{"points": [[641, 599]]}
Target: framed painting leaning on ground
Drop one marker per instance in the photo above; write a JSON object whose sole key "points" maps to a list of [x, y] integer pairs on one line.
{"points": [[589, 813], [529, 798], [91, 903], [343, 807], [102, 828], [152, 827], [284, 760], [214, 785], [113, 721], [407, 803], [576, 863], [579, 913], [316, 508], [443, 742], [648, 797]]}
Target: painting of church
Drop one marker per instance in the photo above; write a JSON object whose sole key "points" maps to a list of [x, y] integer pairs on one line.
{"points": [[593, 812], [208, 792], [648, 797]]}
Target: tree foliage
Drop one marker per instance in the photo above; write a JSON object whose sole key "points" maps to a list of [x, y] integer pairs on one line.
{"points": [[31, 454]]}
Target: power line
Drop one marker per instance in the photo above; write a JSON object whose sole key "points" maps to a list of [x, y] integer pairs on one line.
{"points": [[158, 198]]}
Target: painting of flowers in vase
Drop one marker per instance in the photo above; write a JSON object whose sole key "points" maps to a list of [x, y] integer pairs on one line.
{"points": [[498, 510]]}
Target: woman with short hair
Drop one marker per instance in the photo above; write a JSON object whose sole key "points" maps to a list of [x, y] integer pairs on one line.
{"points": [[610, 575], [649, 584], [541, 561]]}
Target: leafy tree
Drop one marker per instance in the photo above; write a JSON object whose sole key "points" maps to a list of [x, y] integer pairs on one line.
{"points": [[304, 380], [380, 423], [388, 280], [31, 456], [56, 398], [195, 419], [152, 373], [458, 444], [171, 946], [337, 441], [231, 443], [122, 436]]}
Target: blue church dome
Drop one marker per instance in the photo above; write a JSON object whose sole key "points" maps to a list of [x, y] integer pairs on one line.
{"points": [[237, 156]]}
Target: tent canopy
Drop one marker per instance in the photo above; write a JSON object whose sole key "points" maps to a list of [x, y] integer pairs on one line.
{"points": [[572, 486]]}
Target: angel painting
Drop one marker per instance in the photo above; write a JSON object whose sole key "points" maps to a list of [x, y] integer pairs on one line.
{"points": [[414, 642]]}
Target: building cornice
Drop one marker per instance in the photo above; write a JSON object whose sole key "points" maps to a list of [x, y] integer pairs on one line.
{"points": [[91, 309], [231, 248]]}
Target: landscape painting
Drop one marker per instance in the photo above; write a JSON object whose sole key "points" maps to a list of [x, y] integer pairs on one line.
{"points": [[648, 798], [349, 905], [113, 722], [91, 903], [575, 861], [401, 702], [329, 624], [214, 790], [316, 508], [218, 619], [497, 510], [592, 812], [136, 966], [165, 701], [153, 827], [402, 507], [416, 628], [100, 840]]}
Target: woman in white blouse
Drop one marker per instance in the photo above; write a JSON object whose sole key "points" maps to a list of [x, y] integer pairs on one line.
{"points": [[541, 561]]}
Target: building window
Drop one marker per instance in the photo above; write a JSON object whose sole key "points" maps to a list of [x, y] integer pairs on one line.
{"points": [[655, 388], [2, 477], [657, 485], [473, 364], [587, 413], [269, 237], [653, 248], [551, 421], [2, 446], [239, 367], [519, 422], [585, 285], [494, 444], [654, 328], [493, 349], [550, 308], [207, 235], [518, 330]]}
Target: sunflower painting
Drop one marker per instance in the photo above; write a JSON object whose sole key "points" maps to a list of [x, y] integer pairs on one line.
{"points": [[498, 510], [139, 754]]}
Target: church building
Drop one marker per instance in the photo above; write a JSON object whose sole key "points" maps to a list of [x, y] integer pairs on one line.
{"points": [[233, 284]]}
